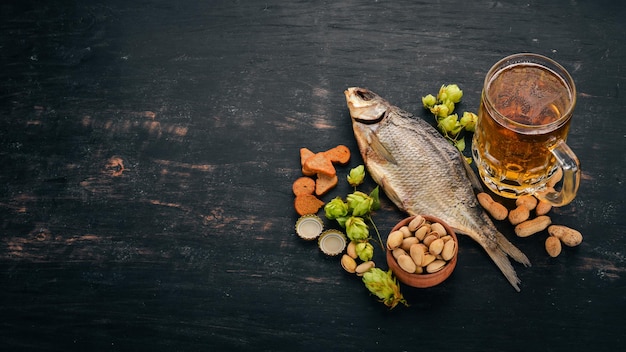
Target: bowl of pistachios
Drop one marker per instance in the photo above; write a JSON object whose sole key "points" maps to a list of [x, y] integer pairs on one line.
{"points": [[422, 251]]}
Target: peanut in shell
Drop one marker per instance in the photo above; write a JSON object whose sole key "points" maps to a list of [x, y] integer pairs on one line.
{"points": [[568, 236], [553, 246]]}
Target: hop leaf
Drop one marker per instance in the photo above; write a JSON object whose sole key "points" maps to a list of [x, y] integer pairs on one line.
{"points": [[460, 144], [384, 286], [374, 196]]}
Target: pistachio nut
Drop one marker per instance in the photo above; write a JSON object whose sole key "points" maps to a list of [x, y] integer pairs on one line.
{"points": [[435, 266], [438, 228], [408, 242], [394, 240], [429, 239], [364, 267], [449, 249], [417, 254], [406, 232], [417, 222], [348, 263], [436, 246], [406, 263], [421, 232]]}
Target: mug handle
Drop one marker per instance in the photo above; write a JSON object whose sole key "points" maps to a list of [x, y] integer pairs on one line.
{"points": [[568, 161]]}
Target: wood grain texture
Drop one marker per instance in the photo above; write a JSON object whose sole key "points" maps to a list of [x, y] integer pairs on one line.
{"points": [[148, 150]]}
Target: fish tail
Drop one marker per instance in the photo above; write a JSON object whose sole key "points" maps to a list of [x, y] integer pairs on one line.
{"points": [[510, 249], [499, 257]]}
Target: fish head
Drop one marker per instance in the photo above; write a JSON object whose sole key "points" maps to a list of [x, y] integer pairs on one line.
{"points": [[369, 112], [365, 106]]}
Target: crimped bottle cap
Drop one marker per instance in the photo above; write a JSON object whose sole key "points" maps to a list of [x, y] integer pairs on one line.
{"points": [[309, 227], [332, 242]]}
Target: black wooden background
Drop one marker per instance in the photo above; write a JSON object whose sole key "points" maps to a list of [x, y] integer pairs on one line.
{"points": [[148, 149]]}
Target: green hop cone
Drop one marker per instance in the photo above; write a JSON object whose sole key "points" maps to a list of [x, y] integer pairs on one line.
{"points": [[359, 203], [384, 286], [468, 121], [335, 209], [365, 251], [442, 95], [429, 101], [356, 229], [450, 125], [440, 110], [450, 105], [453, 93], [356, 176]]}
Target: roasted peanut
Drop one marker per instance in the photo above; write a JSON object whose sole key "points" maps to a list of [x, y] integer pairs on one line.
{"points": [[553, 246], [526, 200], [530, 227], [495, 209], [348, 263], [519, 215], [568, 236], [543, 208]]}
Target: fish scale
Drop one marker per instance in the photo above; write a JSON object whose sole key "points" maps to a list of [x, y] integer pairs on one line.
{"points": [[422, 173]]}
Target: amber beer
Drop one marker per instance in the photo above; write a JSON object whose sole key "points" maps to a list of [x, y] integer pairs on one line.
{"points": [[523, 121]]}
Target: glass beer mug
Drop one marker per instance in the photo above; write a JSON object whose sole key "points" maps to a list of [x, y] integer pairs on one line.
{"points": [[523, 120]]}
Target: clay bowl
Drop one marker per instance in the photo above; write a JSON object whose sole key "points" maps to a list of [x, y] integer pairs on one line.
{"points": [[423, 280]]}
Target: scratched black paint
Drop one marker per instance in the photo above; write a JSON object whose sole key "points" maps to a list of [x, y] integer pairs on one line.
{"points": [[148, 150]]}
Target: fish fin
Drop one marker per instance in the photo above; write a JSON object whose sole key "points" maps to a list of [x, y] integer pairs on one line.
{"points": [[510, 249], [391, 194], [471, 175], [502, 262], [380, 149]]}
